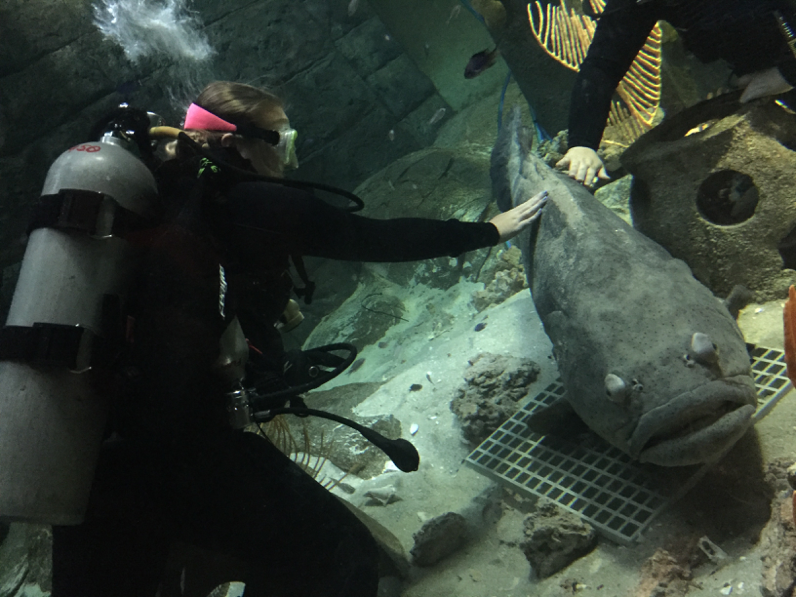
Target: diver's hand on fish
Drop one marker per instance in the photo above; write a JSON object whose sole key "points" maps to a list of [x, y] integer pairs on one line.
{"points": [[515, 220], [762, 84], [584, 165]]}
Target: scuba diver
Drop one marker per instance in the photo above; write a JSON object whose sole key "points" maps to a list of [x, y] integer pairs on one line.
{"points": [[201, 334], [756, 37]]}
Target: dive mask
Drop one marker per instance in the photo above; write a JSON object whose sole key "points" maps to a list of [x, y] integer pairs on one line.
{"points": [[286, 148]]}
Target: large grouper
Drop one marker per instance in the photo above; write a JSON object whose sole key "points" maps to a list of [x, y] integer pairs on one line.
{"points": [[650, 359]]}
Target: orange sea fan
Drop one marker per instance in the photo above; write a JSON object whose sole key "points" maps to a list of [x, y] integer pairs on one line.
{"points": [[789, 319]]}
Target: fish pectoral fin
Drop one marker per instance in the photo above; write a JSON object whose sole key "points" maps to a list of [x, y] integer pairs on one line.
{"points": [[557, 419], [740, 296]]}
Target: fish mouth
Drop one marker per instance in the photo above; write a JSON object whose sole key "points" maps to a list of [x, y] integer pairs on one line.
{"points": [[696, 426]]}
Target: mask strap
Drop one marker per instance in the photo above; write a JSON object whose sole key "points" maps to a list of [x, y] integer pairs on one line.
{"points": [[199, 118]]}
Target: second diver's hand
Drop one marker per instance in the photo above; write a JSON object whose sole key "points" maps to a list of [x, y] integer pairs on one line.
{"points": [[584, 165], [517, 219], [763, 84]]}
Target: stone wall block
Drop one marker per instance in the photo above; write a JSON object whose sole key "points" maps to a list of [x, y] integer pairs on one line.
{"points": [[210, 11], [59, 86], [31, 29], [273, 38], [368, 47], [326, 101], [421, 121], [401, 86], [335, 15], [361, 150]]}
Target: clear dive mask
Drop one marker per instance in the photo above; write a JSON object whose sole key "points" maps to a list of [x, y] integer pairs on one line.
{"points": [[286, 148]]}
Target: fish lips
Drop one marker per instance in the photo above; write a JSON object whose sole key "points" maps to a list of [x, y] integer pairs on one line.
{"points": [[697, 425]]}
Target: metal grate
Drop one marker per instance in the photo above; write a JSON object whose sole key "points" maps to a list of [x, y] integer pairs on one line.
{"points": [[768, 368], [594, 479]]}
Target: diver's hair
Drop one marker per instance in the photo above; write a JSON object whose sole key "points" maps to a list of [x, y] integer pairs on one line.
{"points": [[239, 104]]}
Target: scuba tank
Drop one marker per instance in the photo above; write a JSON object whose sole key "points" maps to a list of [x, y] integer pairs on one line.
{"points": [[65, 322]]}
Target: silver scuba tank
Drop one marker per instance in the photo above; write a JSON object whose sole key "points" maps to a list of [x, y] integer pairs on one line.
{"points": [[52, 414]]}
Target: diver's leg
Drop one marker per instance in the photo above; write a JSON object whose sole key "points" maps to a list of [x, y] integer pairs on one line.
{"points": [[240, 495]]}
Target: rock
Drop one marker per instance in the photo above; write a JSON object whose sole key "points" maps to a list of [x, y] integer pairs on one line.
{"points": [[25, 560], [554, 538], [382, 496], [616, 197], [394, 560], [553, 149], [494, 384], [778, 546], [365, 48], [779, 475], [663, 576], [504, 277], [713, 186], [493, 11], [350, 451], [530, 64], [399, 86], [438, 538]]}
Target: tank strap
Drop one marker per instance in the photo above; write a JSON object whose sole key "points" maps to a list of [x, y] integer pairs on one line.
{"points": [[94, 213], [47, 344], [72, 346]]}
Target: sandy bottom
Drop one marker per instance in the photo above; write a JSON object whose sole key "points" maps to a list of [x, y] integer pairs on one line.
{"points": [[730, 506]]}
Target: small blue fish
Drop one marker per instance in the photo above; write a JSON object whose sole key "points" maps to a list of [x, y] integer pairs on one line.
{"points": [[480, 62]]}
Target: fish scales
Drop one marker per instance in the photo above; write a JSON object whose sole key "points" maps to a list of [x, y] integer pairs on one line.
{"points": [[650, 359]]}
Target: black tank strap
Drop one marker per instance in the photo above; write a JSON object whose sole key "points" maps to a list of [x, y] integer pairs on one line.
{"points": [[46, 344], [72, 346], [88, 211]]}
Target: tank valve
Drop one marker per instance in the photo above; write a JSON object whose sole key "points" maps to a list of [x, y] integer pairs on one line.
{"points": [[238, 408]]}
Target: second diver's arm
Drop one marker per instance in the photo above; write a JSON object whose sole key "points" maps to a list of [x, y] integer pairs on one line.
{"points": [[621, 33]]}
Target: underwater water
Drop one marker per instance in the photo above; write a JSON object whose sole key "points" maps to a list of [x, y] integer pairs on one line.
{"points": [[597, 405]]}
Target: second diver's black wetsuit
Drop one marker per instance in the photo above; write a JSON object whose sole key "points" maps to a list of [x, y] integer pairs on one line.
{"points": [[179, 471], [742, 32]]}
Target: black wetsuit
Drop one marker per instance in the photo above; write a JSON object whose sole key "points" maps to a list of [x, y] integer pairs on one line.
{"points": [[175, 469], [742, 32]]}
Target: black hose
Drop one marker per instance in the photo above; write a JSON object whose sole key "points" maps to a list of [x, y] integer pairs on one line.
{"points": [[403, 454], [358, 203]]}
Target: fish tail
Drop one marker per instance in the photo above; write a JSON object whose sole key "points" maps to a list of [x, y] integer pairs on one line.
{"points": [[506, 161]]}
